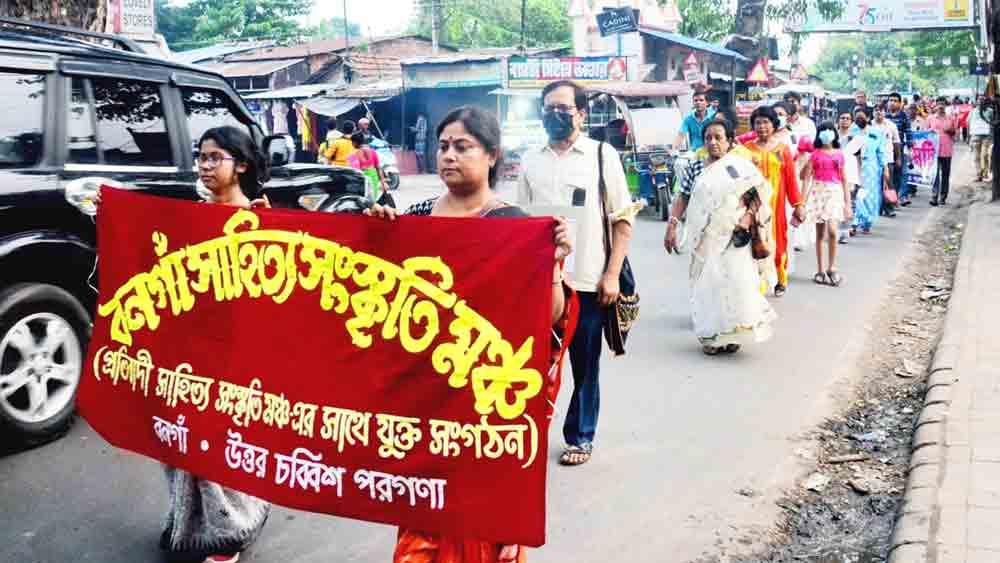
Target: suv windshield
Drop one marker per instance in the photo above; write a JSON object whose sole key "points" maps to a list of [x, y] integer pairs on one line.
{"points": [[22, 98]]}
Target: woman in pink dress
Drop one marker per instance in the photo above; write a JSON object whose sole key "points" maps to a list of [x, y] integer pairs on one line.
{"points": [[828, 202]]}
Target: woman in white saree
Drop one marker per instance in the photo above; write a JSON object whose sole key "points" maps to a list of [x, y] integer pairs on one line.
{"points": [[725, 200]]}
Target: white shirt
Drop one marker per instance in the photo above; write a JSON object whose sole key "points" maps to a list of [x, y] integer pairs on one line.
{"points": [[891, 133], [803, 128], [548, 178]]}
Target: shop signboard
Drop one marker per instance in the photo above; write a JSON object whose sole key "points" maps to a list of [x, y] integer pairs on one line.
{"points": [[453, 75], [536, 72], [616, 20], [132, 18], [888, 15]]}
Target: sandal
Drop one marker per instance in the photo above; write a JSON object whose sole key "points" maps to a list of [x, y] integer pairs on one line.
{"points": [[779, 290], [820, 278], [835, 278], [576, 455], [712, 350], [732, 348]]}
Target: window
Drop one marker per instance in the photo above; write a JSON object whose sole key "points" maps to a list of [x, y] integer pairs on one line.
{"points": [[82, 141], [130, 124], [260, 83], [22, 101], [206, 109]]}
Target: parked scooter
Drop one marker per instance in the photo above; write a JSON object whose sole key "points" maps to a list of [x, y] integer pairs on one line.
{"points": [[388, 161]]}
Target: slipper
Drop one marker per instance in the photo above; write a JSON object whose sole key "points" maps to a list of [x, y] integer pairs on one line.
{"points": [[835, 278], [820, 278], [732, 348], [576, 455], [779, 290], [712, 350]]}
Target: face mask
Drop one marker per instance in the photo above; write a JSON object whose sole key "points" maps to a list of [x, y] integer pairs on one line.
{"points": [[861, 122], [558, 125], [782, 121], [826, 136]]}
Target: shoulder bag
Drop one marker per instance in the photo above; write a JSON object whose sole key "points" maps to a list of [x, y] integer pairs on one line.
{"points": [[618, 318]]}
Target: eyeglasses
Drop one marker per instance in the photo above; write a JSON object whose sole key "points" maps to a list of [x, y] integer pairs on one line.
{"points": [[212, 160], [559, 109]]}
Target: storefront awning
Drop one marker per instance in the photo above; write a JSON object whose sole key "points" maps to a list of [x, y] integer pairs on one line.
{"points": [[640, 89], [300, 91], [374, 91], [330, 107], [521, 92], [692, 43]]}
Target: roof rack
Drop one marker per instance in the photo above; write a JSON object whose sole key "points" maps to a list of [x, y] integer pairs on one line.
{"points": [[104, 39]]}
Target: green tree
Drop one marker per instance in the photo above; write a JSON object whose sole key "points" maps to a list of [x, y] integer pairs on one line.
{"points": [[333, 28], [890, 52], [84, 14], [200, 23], [492, 23], [708, 20]]}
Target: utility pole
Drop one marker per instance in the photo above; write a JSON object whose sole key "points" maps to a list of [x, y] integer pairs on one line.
{"points": [[434, 26], [524, 4], [347, 34]]}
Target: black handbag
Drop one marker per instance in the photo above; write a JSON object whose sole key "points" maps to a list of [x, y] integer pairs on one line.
{"points": [[619, 318]]}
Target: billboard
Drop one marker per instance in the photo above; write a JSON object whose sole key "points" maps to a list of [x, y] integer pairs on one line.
{"points": [[888, 15], [536, 72]]}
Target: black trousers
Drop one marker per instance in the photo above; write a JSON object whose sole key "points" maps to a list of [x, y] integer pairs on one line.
{"points": [[943, 179]]}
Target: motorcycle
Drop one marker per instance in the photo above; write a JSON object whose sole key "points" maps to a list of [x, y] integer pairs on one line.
{"points": [[387, 159]]}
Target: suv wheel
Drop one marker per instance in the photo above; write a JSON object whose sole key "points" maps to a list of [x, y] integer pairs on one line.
{"points": [[43, 334]]}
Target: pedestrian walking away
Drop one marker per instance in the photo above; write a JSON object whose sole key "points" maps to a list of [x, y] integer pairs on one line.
{"points": [[206, 519], [420, 142], [339, 147], [828, 201], [366, 160], [469, 155], [558, 174], [728, 220], [774, 160], [874, 173], [946, 127]]}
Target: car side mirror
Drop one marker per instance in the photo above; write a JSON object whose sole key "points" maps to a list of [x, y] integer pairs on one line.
{"points": [[280, 149]]}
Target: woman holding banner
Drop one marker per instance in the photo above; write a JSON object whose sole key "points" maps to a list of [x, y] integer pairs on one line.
{"points": [[206, 518], [468, 158]]}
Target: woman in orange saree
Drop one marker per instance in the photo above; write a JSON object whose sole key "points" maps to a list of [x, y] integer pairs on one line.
{"points": [[468, 158], [774, 160]]}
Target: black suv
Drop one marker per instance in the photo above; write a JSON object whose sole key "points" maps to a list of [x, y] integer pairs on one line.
{"points": [[78, 110]]}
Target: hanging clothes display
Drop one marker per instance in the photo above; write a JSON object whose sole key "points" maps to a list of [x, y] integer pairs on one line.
{"points": [[279, 113]]}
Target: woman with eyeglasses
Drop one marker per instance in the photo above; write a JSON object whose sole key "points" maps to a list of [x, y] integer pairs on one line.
{"points": [[205, 518]]}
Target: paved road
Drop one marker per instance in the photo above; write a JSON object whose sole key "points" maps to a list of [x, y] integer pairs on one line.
{"points": [[679, 434]]}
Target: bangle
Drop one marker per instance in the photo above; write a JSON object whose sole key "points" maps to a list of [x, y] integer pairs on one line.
{"points": [[674, 221]]}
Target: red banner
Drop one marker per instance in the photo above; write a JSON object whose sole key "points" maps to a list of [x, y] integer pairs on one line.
{"points": [[392, 372]]}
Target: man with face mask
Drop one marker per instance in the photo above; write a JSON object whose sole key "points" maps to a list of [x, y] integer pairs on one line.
{"points": [[565, 173]]}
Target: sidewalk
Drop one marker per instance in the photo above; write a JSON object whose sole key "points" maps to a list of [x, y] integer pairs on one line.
{"points": [[951, 510]]}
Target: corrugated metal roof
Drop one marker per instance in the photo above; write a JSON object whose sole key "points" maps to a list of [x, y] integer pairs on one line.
{"points": [[250, 68], [641, 89], [692, 43], [380, 89], [476, 55], [215, 51], [315, 47]]}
